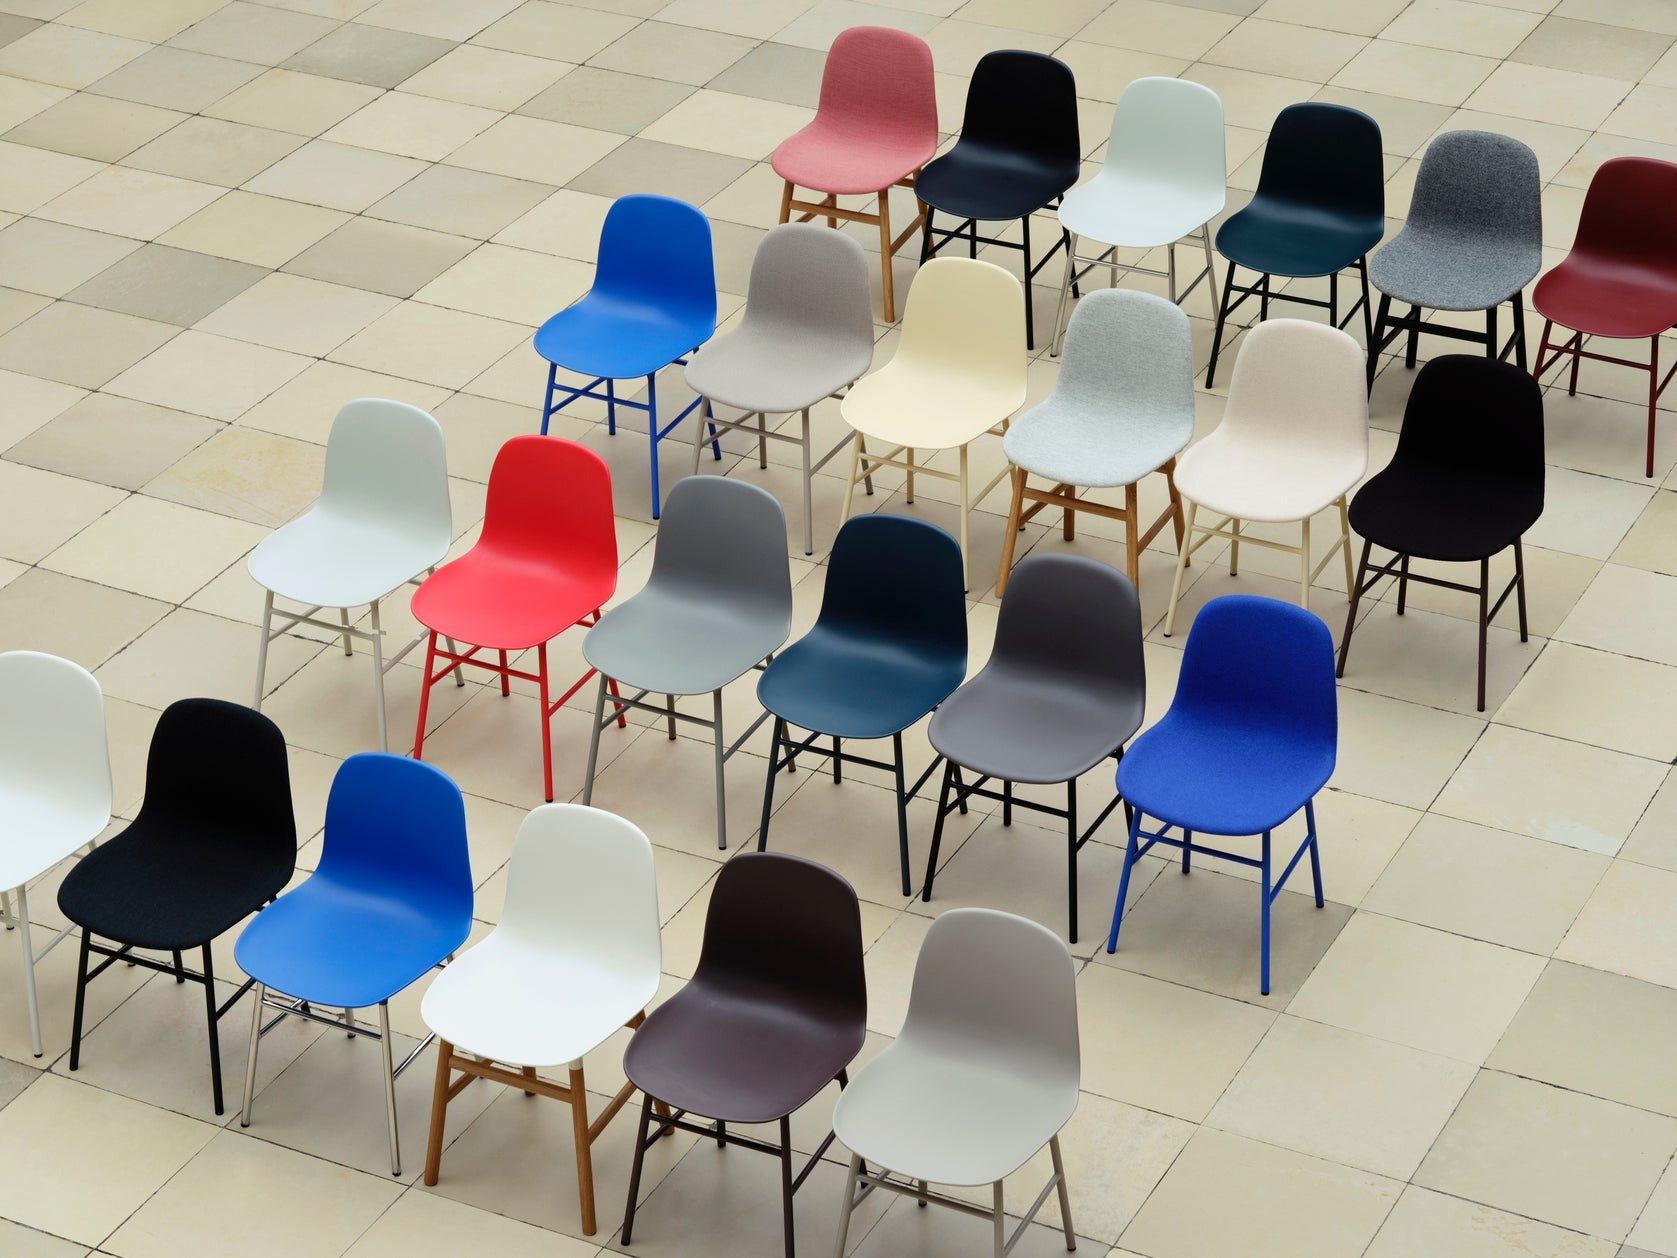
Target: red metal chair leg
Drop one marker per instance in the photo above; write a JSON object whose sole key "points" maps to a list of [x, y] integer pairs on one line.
{"points": [[425, 696], [546, 714]]}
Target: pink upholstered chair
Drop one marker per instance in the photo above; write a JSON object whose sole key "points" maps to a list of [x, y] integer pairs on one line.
{"points": [[874, 128]]}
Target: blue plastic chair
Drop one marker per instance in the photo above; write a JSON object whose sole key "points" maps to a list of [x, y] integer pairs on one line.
{"points": [[889, 645], [652, 304], [391, 899], [1319, 208], [1250, 738]]}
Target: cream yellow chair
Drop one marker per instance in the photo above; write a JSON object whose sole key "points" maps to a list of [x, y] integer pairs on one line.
{"points": [[958, 374]]}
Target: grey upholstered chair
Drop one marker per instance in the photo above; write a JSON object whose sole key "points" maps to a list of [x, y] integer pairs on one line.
{"points": [[717, 605], [1064, 689], [807, 334], [1473, 240], [1123, 406]]}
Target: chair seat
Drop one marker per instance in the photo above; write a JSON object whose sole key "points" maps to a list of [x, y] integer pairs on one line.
{"points": [[1118, 209], [1433, 514], [40, 833], [989, 184], [947, 1120], [1074, 444], [341, 947], [902, 404], [774, 370], [1284, 238], [603, 335], [1221, 777], [155, 890], [1017, 730], [1265, 483], [526, 1006], [674, 645], [726, 1053], [828, 158], [495, 600], [1606, 297], [843, 685], [332, 561], [1443, 272]]}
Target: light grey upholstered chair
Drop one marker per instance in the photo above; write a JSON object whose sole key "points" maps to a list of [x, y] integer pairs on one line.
{"points": [[807, 334], [1123, 406], [1473, 240], [717, 605]]}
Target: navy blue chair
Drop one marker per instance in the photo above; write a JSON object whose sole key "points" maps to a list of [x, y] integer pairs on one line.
{"points": [[1319, 208], [889, 645], [1250, 738], [652, 304], [390, 900]]}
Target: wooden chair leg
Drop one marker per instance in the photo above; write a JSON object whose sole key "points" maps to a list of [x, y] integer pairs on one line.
{"points": [[584, 1150], [850, 481], [1010, 535], [885, 255], [1132, 536], [786, 202], [1068, 518], [439, 1113], [966, 510], [1175, 502], [529, 1072]]}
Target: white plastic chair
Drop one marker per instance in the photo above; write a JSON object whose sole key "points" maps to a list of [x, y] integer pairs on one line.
{"points": [[575, 957], [984, 1073], [382, 521], [1163, 181], [1293, 441], [55, 786], [958, 374]]}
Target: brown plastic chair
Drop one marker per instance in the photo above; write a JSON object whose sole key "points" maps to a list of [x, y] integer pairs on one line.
{"points": [[775, 1011]]}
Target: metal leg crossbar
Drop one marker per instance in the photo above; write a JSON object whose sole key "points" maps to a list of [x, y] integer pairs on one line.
{"points": [[1108, 258], [1264, 293], [1387, 329], [933, 238]]}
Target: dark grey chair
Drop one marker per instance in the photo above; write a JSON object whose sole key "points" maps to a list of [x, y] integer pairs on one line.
{"points": [[717, 605], [806, 335], [1473, 240], [1064, 689]]}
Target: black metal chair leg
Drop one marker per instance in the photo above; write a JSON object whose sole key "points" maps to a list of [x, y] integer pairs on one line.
{"points": [[1414, 337], [1030, 322], [180, 970], [927, 252], [937, 830], [1484, 623], [1490, 334], [768, 783], [1368, 304], [1071, 858], [786, 1185], [1520, 330], [635, 1171], [215, 1035], [1520, 586], [81, 1001], [1377, 338], [1222, 321], [1351, 613]]}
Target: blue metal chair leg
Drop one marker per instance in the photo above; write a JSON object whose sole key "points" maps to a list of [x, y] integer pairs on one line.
{"points": [[611, 408], [1124, 881], [547, 403], [1263, 930], [1187, 848], [1315, 858], [652, 438]]}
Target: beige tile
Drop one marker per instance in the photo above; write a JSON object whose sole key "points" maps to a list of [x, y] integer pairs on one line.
{"points": [[338, 176], [174, 78], [1646, 114], [137, 203], [95, 127], [1651, 543], [1426, 1222], [1358, 17], [66, 56], [30, 177], [606, 100], [461, 202], [413, 126], [158, 549], [1606, 436], [441, 19], [366, 54], [1658, 1224], [1250, 99], [677, 54], [1166, 30], [426, 1225], [1437, 75], [208, 375], [39, 510], [1592, 48], [430, 344], [817, 27], [253, 32], [530, 148], [1496, 1150], [33, 401], [1596, 697], [166, 284], [1295, 52], [1626, 926], [1103, 72], [561, 31], [1554, 146], [1654, 841], [1396, 751], [1560, 96], [305, 405], [264, 231], [488, 77], [155, 22], [288, 100], [1641, 14], [246, 474], [292, 312], [1462, 26], [387, 258], [28, 1243], [16, 306], [21, 99], [112, 440], [511, 284], [78, 620], [1565, 792], [52, 259], [189, 652], [212, 151], [759, 19], [640, 165], [80, 345]]}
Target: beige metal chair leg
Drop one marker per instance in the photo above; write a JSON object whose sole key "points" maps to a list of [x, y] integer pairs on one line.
{"points": [[1304, 562], [1181, 563]]}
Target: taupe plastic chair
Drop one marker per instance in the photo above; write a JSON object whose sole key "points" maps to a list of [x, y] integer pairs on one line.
{"points": [[717, 605], [806, 335], [984, 1073], [1123, 407]]}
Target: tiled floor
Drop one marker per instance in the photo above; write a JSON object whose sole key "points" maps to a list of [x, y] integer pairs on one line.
{"points": [[220, 220]]}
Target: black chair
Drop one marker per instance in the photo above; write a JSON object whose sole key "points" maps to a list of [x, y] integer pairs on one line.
{"points": [[214, 841], [776, 1010], [1064, 689], [1018, 152], [1464, 484], [1319, 208]]}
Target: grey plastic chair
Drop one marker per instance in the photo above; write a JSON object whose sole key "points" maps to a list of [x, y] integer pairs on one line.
{"points": [[717, 605], [1473, 240], [806, 335], [1123, 406], [984, 1073], [1064, 689]]}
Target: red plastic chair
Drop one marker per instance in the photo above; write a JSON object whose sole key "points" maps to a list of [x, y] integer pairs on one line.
{"points": [[1620, 280], [874, 128], [547, 560]]}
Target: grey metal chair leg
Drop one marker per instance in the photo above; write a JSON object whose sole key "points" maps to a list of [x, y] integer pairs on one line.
{"points": [[262, 646], [849, 1204], [389, 1085], [29, 970], [1065, 1195], [257, 995], [721, 782]]}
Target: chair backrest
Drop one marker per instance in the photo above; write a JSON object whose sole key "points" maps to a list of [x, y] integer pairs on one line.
{"points": [[893, 578], [1300, 382], [218, 770], [1076, 622], [789, 930], [1625, 215], [1263, 666], [967, 317], [52, 736], [1482, 184], [581, 882], [386, 464], [725, 540], [1024, 103], [998, 989], [549, 503], [396, 830], [1130, 353], [1325, 156], [811, 282], [1472, 419], [1169, 131], [878, 83], [656, 251]]}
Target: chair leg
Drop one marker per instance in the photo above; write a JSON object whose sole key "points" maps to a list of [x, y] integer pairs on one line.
{"points": [[1344, 542], [849, 1204], [425, 683], [1403, 584], [966, 510], [1071, 859], [1182, 550], [257, 995], [262, 647], [786, 1186], [809, 491], [1304, 562], [1484, 623], [1187, 850], [1130, 859], [584, 1151], [1030, 322], [1376, 337], [1351, 612], [81, 1003], [29, 994], [635, 1169], [1064, 1191], [1520, 586], [721, 783], [937, 830], [1234, 548], [378, 679], [594, 742], [547, 733], [1059, 340], [652, 437], [1413, 345], [547, 399], [786, 202], [1520, 329], [927, 252], [1263, 924], [1217, 331], [1315, 853], [998, 1219], [1010, 534], [768, 786], [215, 1035], [1368, 306], [850, 482], [1490, 333], [887, 289], [902, 812], [389, 1071], [1653, 392], [439, 1113], [1132, 535]]}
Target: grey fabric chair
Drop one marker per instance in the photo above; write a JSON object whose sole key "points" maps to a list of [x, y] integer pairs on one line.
{"points": [[1123, 406], [806, 335], [717, 605], [1473, 240], [1064, 689]]}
